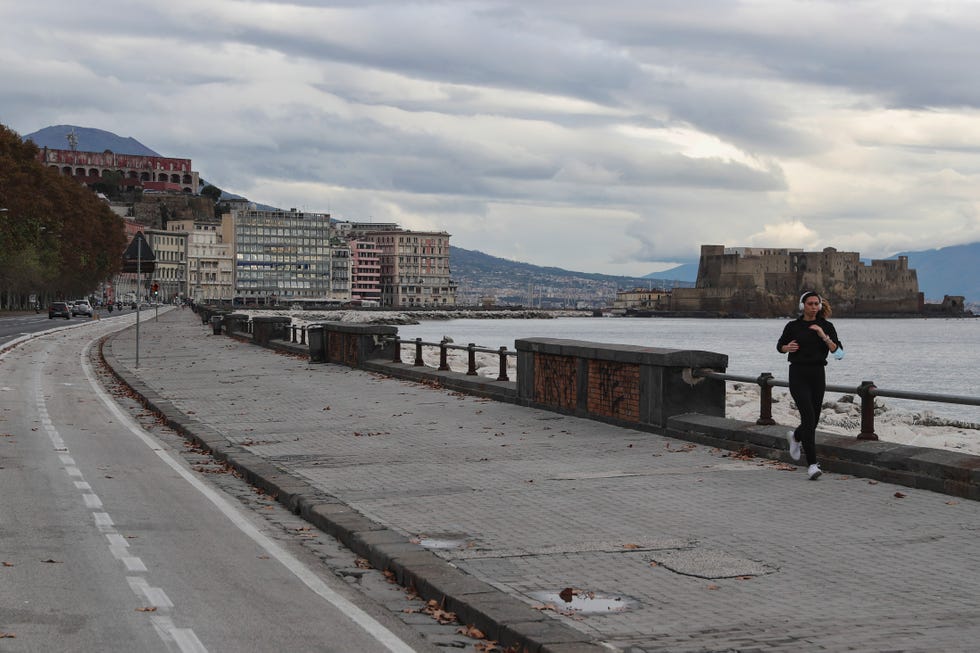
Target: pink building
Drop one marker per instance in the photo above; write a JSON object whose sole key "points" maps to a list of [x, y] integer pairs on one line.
{"points": [[365, 271]]}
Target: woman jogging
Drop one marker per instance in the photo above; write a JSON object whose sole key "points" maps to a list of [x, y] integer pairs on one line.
{"points": [[807, 340]]}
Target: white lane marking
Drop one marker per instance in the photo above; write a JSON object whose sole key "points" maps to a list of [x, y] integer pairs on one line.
{"points": [[371, 626], [182, 638], [154, 596], [102, 519], [115, 539], [92, 500], [133, 564]]}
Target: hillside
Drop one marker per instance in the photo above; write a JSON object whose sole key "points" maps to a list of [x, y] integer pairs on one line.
{"points": [[513, 282]]}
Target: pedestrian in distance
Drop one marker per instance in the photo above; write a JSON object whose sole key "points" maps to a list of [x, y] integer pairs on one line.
{"points": [[807, 341]]}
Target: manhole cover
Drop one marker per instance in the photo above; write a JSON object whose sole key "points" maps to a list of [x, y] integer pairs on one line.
{"points": [[709, 564]]}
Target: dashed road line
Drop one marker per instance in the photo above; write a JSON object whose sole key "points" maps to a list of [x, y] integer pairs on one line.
{"points": [[182, 640]]}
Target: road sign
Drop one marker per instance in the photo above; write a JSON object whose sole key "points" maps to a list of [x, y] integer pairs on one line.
{"points": [[138, 256]]}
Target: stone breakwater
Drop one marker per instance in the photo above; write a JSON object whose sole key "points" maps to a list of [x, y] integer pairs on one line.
{"points": [[304, 318]]}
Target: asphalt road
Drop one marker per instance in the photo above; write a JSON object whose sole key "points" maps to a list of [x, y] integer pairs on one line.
{"points": [[110, 540]]}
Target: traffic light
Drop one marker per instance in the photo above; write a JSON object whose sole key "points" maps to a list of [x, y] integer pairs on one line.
{"points": [[155, 288]]}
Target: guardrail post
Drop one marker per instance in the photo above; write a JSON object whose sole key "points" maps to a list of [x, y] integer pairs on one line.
{"points": [[765, 400], [443, 359], [471, 368], [503, 365], [418, 353], [867, 411], [396, 351]]}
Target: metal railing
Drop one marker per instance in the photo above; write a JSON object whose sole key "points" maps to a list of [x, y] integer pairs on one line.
{"points": [[867, 391], [444, 347], [297, 334]]}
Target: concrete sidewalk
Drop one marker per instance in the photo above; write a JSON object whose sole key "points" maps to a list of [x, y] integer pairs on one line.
{"points": [[670, 546]]}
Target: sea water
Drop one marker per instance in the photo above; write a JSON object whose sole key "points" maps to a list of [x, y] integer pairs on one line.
{"points": [[932, 355]]}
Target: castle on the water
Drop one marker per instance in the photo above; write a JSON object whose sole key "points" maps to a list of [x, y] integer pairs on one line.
{"points": [[767, 282]]}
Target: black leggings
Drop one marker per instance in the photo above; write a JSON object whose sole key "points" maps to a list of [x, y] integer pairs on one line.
{"points": [[807, 384]]}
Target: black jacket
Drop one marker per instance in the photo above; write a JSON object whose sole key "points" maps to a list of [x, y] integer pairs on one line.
{"points": [[813, 350]]}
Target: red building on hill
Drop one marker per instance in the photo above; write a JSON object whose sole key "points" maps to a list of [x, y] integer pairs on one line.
{"points": [[151, 173]]}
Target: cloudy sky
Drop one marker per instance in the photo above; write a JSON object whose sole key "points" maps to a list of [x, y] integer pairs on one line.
{"points": [[613, 136]]}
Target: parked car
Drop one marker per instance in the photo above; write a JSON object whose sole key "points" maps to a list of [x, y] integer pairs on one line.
{"points": [[59, 309], [81, 307]]}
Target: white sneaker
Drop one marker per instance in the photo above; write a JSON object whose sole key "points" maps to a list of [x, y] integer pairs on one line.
{"points": [[794, 446], [814, 471]]}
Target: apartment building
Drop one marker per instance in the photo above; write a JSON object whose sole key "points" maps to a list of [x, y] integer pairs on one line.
{"points": [[283, 255], [365, 272], [210, 261], [170, 275], [414, 267]]}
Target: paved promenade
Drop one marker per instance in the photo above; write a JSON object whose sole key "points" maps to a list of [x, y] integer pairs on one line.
{"points": [[686, 548]]}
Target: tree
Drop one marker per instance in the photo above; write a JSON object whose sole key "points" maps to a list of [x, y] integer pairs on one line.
{"points": [[57, 239], [110, 184], [212, 192]]}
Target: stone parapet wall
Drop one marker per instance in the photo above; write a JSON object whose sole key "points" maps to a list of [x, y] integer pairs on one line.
{"points": [[622, 384]]}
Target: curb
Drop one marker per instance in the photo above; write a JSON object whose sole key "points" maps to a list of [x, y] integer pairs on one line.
{"points": [[501, 617]]}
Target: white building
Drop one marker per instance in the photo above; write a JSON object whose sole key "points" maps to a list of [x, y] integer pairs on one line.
{"points": [[210, 261]]}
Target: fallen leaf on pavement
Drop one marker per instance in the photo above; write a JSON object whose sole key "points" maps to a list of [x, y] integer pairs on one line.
{"points": [[471, 631], [900, 495], [150, 609]]}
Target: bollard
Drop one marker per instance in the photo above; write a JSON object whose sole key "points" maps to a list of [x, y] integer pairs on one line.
{"points": [[396, 351], [765, 400], [418, 353], [443, 358], [867, 411], [216, 321], [503, 365], [471, 368], [302, 335]]}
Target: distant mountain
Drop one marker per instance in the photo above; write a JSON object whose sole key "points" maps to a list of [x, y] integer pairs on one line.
{"points": [[948, 271], [686, 272], [511, 282], [89, 140]]}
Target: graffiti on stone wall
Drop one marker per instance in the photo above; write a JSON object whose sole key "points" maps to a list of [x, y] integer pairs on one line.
{"points": [[614, 390], [342, 349], [555, 381]]}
